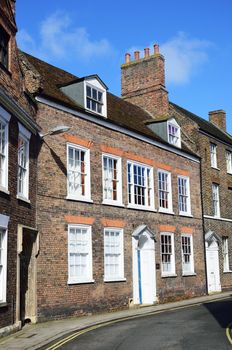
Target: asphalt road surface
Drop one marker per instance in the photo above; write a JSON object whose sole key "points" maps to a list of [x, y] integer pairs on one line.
{"points": [[194, 328]]}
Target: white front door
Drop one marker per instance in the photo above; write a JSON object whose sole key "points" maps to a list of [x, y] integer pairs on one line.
{"points": [[144, 281], [213, 273]]}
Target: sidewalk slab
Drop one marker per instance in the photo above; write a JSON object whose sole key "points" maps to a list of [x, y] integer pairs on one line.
{"points": [[34, 336]]}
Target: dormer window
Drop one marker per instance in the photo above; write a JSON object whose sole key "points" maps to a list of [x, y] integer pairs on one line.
{"points": [[94, 99], [89, 92], [174, 133], [4, 51]]}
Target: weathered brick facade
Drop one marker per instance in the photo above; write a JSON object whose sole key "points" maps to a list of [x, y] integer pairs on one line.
{"points": [[20, 213], [55, 297], [197, 134]]}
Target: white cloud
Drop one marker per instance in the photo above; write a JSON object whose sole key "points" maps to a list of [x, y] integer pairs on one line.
{"points": [[184, 57], [59, 39]]}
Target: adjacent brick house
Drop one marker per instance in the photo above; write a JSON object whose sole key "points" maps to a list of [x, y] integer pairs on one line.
{"points": [[18, 139], [141, 79], [119, 221]]}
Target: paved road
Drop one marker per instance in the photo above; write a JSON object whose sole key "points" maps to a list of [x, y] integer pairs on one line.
{"points": [[194, 328]]}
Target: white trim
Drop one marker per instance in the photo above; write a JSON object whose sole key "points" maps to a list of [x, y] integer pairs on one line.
{"points": [[24, 132], [118, 128], [171, 273], [4, 119], [87, 196], [168, 210], [173, 123], [192, 270], [117, 202], [188, 212], [104, 97], [121, 276], [89, 278], [217, 218], [4, 220], [131, 204]]}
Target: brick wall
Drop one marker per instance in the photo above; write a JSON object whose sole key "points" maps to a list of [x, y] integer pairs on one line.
{"points": [[55, 297], [20, 212]]}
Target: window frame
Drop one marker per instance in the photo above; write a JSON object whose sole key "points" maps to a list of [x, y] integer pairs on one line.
{"points": [[188, 202], [177, 136], [120, 276], [118, 160], [102, 103], [191, 254], [172, 272], [169, 209], [5, 34], [87, 196], [25, 136], [89, 276], [216, 201], [213, 155], [3, 273], [228, 161], [5, 119], [225, 254], [148, 189]]}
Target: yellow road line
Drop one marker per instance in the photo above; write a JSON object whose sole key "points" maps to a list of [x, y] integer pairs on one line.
{"points": [[228, 332], [107, 323]]}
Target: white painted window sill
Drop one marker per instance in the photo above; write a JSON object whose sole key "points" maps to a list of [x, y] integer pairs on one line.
{"points": [[81, 282], [163, 211], [189, 215], [123, 279], [140, 207], [186, 274], [85, 200], [24, 199], [114, 204], [3, 304], [4, 190], [227, 271], [169, 275], [216, 168]]}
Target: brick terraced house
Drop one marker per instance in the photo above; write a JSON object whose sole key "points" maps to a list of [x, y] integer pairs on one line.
{"points": [[209, 139], [118, 203], [18, 140]]}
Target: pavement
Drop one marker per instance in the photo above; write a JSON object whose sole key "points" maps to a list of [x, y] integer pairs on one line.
{"points": [[35, 336]]}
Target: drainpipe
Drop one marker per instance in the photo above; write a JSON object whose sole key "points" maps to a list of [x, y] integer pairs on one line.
{"points": [[203, 226]]}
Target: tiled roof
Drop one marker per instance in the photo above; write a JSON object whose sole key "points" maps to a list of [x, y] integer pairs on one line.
{"points": [[119, 112], [205, 125]]}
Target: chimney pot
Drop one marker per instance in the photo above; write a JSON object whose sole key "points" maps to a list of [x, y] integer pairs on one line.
{"points": [[156, 48], [146, 52], [136, 53], [218, 118], [127, 58]]}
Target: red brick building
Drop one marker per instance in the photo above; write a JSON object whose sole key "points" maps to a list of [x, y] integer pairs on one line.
{"points": [[18, 139], [143, 83], [118, 203]]}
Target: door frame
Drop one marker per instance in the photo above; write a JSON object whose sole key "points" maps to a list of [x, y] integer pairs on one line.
{"points": [[212, 241], [35, 252], [137, 248]]}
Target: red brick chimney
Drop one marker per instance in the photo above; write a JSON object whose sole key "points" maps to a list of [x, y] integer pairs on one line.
{"points": [[218, 118], [143, 82]]}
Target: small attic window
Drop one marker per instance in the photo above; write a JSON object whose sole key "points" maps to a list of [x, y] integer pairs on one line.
{"points": [[4, 47], [174, 133], [94, 99]]}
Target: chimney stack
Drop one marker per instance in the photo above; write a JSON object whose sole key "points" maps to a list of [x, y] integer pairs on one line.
{"points": [[146, 52], [136, 55], [218, 118], [143, 82], [127, 58]]}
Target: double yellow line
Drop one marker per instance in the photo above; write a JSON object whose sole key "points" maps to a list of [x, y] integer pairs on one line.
{"points": [[228, 329], [91, 328]]}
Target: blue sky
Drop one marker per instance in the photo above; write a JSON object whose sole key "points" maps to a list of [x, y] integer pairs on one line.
{"points": [[88, 37]]}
